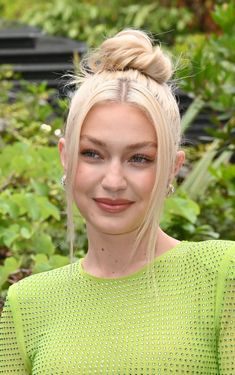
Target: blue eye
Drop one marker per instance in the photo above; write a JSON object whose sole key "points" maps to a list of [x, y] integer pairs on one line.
{"points": [[92, 154], [141, 159]]}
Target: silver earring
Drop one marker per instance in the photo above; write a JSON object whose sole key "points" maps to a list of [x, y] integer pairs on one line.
{"points": [[171, 190], [63, 181]]}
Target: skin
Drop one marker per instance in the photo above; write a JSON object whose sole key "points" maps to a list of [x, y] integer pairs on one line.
{"points": [[117, 161]]}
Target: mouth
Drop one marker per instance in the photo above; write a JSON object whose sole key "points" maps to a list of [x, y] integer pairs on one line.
{"points": [[113, 205]]}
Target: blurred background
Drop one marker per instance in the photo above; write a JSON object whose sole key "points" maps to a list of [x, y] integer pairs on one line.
{"points": [[40, 41]]}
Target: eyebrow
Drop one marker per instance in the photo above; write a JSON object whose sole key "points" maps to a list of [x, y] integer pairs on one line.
{"points": [[129, 147]]}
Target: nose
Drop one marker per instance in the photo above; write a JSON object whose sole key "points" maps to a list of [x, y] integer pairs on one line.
{"points": [[114, 179]]}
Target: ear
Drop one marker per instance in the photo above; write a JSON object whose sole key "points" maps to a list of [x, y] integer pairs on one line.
{"points": [[61, 147], [179, 161]]}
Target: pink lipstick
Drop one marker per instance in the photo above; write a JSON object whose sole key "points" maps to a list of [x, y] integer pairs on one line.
{"points": [[113, 205]]}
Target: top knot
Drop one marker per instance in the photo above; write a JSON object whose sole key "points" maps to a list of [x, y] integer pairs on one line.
{"points": [[131, 49]]}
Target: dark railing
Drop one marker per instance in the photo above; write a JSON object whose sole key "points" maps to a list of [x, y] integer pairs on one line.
{"points": [[35, 56]]}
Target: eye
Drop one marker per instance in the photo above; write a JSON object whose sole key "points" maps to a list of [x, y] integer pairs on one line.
{"points": [[140, 159], [91, 154]]}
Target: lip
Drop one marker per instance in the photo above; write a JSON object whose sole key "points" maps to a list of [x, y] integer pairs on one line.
{"points": [[113, 205]]}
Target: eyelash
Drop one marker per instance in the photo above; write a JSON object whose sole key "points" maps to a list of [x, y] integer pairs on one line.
{"points": [[144, 159], [90, 154], [136, 158]]}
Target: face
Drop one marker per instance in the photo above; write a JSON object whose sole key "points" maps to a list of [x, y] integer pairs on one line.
{"points": [[116, 168]]}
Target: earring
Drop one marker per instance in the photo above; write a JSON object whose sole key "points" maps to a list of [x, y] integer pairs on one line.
{"points": [[63, 181], [171, 190]]}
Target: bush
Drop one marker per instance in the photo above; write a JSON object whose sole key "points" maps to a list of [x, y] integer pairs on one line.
{"points": [[91, 21], [32, 207]]}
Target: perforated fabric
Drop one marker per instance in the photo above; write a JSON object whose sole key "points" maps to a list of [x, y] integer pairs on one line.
{"points": [[68, 322]]}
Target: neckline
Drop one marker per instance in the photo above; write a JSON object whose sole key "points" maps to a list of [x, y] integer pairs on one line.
{"points": [[133, 274]]}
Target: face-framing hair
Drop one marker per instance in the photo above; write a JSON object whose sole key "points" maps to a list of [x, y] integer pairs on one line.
{"points": [[158, 103]]}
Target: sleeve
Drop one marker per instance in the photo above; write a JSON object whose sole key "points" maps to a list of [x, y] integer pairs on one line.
{"points": [[11, 359], [226, 339]]}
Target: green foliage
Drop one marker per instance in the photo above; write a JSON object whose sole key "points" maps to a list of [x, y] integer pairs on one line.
{"points": [[224, 15], [26, 110], [180, 216], [210, 64], [208, 67], [218, 203], [199, 178], [211, 215], [207, 74], [15, 9], [32, 217], [10, 266], [90, 21], [181, 219]]}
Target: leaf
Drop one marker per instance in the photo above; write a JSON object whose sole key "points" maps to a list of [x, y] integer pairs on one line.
{"points": [[142, 14], [41, 268], [182, 207], [41, 264], [57, 261], [10, 234], [20, 199], [25, 232], [42, 243], [224, 16], [40, 258], [192, 111], [7, 206], [11, 264], [39, 187], [47, 208], [198, 180], [33, 209]]}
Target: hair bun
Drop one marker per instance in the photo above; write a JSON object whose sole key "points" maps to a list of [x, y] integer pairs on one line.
{"points": [[132, 49]]}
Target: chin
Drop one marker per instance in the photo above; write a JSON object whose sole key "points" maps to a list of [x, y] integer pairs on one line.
{"points": [[113, 230], [118, 232]]}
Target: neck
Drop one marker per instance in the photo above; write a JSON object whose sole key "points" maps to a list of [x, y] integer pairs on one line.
{"points": [[115, 255]]}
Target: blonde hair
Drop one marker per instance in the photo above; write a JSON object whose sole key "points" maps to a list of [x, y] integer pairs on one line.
{"points": [[127, 68]]}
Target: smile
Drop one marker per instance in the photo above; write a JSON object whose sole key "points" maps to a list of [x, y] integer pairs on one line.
{"points": [[113, 206]]}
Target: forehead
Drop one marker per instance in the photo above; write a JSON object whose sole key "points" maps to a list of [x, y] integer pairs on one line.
{"points": [[118, 121]]}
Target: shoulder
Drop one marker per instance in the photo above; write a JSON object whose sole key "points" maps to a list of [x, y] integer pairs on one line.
{"points": [[44, 283], [211, 254], [213, 246]]}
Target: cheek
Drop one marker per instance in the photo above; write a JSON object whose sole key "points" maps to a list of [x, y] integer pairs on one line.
{"points": [[147, 182], [86, 177]]}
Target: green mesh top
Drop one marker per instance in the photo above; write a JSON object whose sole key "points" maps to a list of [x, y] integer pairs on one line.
{"points": [[68, 322]]}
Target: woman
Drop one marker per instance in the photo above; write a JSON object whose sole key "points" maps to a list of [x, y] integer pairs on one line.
{"points": [[140, 302]]}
